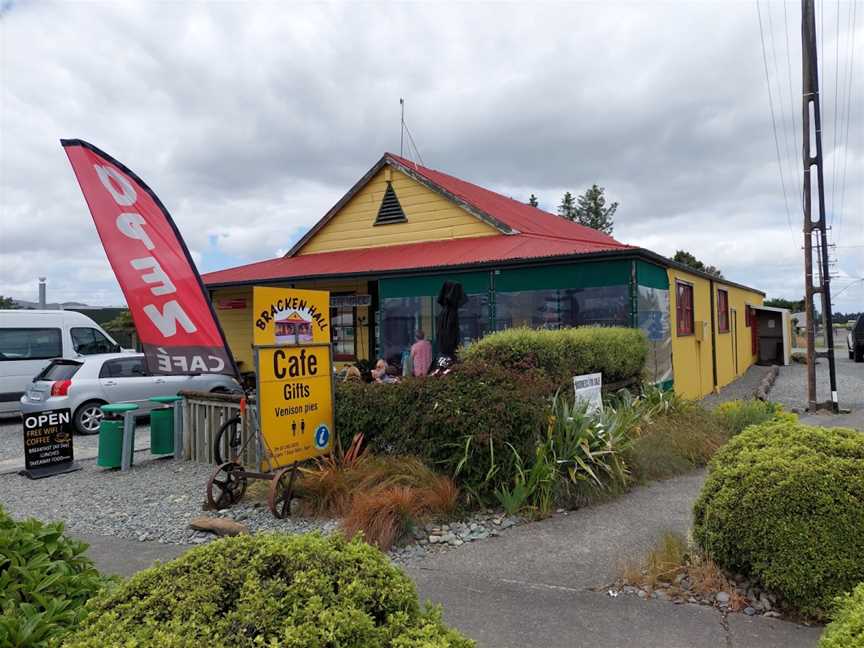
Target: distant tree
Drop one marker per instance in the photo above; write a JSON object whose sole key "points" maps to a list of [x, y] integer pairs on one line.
{"points": [[532, 200], [591, 210], [682, 256], [122, 324], [567, 208], [779, 302], [8, 303]]}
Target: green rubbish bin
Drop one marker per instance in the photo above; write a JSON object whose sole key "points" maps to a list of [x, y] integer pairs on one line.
{"points": [[111, 434], [162, 425]]}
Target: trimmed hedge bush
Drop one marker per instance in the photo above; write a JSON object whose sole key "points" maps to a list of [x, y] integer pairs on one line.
{"points": [[619, 353], [267, 590], [784, 503], [460, 424], [847, 628], [45, 579]]}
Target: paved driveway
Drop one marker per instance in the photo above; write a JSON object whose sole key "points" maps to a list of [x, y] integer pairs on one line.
{"points": [[541, 584], [790, 389]]}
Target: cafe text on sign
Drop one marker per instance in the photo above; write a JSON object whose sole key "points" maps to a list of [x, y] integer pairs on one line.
{"points": [[296, 402]]}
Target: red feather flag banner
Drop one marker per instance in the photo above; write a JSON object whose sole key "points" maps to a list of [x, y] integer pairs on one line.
{"points": [[172, 312]]}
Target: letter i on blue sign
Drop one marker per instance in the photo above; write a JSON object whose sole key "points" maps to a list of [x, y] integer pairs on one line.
{"points": [[322, 436]]}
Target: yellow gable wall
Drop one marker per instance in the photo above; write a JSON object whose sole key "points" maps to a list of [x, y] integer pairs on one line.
{"points": [[430, 217], [237, 323], [692, 359], [738, 340]]}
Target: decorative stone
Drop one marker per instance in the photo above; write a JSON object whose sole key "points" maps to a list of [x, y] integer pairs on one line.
{"points": [[722, 598], [764, 601], [749, 611], [219, 526]]}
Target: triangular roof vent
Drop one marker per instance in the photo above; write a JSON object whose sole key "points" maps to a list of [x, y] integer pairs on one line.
{"points": [[390, 211]]}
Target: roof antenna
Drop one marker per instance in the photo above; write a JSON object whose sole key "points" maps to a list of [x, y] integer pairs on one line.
{"points": [[402, 133], [412, 145]]}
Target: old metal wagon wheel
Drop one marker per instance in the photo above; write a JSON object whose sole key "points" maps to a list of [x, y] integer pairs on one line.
{"points": [[281, 490], [226, 486]]}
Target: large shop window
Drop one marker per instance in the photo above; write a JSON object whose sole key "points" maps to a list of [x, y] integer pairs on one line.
{"points": [[402, 316], [554, 309], [343, 331], [722, 311], [684, 308]]}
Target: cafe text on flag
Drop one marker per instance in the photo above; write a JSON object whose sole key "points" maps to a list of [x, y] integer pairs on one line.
{"points": [[173, 316]]}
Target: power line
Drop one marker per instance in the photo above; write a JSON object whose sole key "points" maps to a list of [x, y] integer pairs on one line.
{"points": [[788, 153], [849, 113], [796, 149], [773, 120], [834, 122]]}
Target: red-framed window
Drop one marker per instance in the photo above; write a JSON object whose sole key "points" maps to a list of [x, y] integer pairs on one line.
{"points": [[684, 308], [722, 310]]}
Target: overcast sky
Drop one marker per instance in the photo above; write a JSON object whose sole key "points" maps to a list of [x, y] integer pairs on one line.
{"points": [[251, 120]]}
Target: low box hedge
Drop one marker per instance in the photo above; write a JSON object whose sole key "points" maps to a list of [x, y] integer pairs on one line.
{"points": [[784, 503], [846, 629], [460, 424], [616, 352], [267, 590]]}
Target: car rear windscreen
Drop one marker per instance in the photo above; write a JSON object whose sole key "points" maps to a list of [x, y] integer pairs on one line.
{"points": [[59, 371]]}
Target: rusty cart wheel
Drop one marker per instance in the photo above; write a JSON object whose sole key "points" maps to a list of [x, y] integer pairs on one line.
{"points": [[226, 486], [281, 490]]}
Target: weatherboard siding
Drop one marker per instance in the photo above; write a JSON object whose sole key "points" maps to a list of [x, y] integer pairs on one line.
{"points": [[430, 217]]}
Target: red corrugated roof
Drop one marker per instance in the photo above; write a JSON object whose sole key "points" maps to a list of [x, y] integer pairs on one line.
{"points": [[537, 234], [517, 215], [409, 256]]}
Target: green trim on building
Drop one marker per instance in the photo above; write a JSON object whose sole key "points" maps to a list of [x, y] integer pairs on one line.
{"points": [[651, 276], [430, 285], [578, 275]]}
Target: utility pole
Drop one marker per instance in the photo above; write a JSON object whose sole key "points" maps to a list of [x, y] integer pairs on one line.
{"points": [[810, 102], [402, 130]]}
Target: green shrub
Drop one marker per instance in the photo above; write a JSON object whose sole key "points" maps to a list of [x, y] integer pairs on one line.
{"points": [[846, 630], [784, 503], [674, 441], [618, 353], [267, 590], [45, 579], [462, 424], [739, 414]]}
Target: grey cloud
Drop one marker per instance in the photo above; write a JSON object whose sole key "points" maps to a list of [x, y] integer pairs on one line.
{"points": [[251, 120]]}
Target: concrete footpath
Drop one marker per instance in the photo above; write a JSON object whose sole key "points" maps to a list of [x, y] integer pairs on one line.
{"points": [[541, 584]]}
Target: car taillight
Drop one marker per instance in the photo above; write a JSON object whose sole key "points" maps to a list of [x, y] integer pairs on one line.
{"points": [[60, 387]]}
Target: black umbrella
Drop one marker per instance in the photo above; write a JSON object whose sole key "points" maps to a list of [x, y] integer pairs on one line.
{"points": [[450, 299]]}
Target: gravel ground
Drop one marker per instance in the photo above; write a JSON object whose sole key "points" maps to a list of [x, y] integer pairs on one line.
{"points": [[790, 389], [156, 500]]}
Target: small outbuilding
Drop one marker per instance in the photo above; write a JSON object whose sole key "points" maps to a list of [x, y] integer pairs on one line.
{"points": [[387, 247]]}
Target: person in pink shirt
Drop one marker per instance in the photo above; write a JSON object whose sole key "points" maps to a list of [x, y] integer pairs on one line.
{"points": [[421, 354]]}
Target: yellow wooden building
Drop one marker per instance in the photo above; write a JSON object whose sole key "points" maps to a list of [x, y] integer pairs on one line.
{"points": [[385, 249]]}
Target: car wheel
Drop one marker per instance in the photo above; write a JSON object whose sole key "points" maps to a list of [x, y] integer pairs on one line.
{"points": [[851, 354], [88, 417], [859, 354]]}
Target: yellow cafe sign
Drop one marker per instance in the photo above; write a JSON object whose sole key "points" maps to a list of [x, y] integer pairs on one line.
{"points": [[295, 373]]}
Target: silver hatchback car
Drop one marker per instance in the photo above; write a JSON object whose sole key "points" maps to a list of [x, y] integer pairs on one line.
{"points": [[85, 385]]}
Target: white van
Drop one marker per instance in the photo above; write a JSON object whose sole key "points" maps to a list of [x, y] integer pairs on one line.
{"points": [[30, 339]]}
